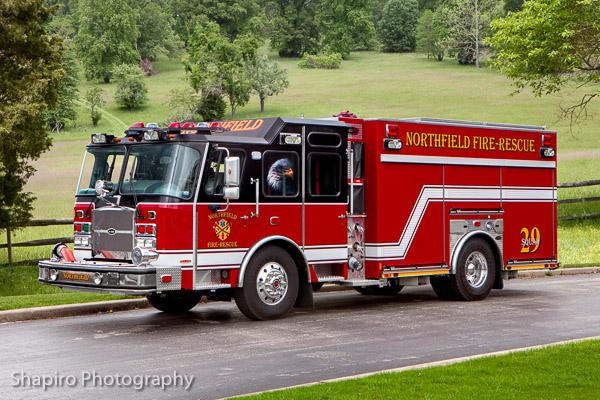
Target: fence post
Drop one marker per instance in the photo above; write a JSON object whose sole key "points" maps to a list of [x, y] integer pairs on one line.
{"points": [[9, 247]]}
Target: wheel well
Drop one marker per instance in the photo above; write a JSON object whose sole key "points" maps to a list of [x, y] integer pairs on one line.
{"points": [[284, 243], [498, 283]]}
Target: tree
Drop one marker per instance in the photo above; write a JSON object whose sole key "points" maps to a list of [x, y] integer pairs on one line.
{"points": [[93, 96], [513, 5], [234, 17], [468, 24], [107, 36], [236, 85], [131, 88], [268, 79], [396, 30], [30, 66], [347, 25], [293, 28], [431, 35], [218, 65], [65, 108], [551, 45], [156, 34]]}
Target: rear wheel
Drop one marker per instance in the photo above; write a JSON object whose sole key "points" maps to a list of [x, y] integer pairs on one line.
{"points": [[475, 271], [176, 302], [392, 289], [270, 285]]}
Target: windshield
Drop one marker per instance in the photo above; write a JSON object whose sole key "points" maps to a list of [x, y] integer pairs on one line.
{"points": [[162, 169], [101, 163]]}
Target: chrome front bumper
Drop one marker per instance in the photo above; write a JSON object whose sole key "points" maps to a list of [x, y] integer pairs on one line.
{"points": [[100, 277]]}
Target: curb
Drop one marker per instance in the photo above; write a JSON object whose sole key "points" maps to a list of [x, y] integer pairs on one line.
{"points": [[441, 363], [73, 310]]}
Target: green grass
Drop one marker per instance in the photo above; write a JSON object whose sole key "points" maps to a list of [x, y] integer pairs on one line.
{"points": [[19, 288], [569, 371], [369, 84]]}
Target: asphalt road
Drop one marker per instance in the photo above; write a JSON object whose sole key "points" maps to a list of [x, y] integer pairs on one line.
{"points": [[112, 355]]}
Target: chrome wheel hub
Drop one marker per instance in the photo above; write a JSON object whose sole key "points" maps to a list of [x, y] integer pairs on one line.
{"points": [[271, 283], [476, 269]]}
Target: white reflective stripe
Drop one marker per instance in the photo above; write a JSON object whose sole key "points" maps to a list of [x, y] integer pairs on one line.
{"points": [[204, 259], [499, 162], [316, 254], [526, 194], [438, 193], [190, 251]]}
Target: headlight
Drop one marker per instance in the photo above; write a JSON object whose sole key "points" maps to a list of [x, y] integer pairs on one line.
{"points": [[97, 278]]}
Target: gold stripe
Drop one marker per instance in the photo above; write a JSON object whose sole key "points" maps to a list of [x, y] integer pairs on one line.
{"points": [[424, 273]]}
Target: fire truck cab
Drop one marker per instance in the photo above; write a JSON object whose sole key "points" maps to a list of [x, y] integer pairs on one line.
{"points": [[266, 210]]}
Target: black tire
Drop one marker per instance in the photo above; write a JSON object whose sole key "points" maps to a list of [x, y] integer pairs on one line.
{"points": [[174, 302], [391, 290], [475, 271], [441, 287], [316, 286], [270, 285]]}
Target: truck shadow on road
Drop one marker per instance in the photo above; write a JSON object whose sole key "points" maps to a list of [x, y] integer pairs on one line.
{"points": [[413, 300]]}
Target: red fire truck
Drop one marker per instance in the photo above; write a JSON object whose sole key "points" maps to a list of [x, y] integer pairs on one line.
{"points": [[265, 211]]}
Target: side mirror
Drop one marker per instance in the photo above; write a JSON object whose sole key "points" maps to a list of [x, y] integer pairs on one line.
{"points": [[232, 172], [231, 193]]}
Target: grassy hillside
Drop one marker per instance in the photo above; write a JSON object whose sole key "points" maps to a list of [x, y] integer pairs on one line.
{"points": [[370, 85]]}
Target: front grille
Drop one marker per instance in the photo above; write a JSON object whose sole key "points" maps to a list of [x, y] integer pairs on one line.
{"points": [[113, 232]]}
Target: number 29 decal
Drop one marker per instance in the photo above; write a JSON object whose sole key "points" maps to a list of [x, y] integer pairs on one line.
{"points": [[530, 242]]}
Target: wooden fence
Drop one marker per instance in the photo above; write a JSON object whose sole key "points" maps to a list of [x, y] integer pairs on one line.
{"points": [[40, 242], [68, 221], [580, 200]]}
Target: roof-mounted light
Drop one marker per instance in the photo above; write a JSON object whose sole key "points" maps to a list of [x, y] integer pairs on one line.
{"points": [[102, 138], [175, 125], [152, 135]]}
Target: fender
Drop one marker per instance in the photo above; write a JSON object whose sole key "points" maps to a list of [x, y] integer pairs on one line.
{"points": [[258, 245], [461, 242]]}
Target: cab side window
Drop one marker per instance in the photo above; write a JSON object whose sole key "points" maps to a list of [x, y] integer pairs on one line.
{"points": [[325, 176], [215, 174], [280, 174]]}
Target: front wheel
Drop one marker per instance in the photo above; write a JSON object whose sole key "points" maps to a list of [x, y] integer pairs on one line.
{"points": [[270, 285], [176, 302], [475, 271]]}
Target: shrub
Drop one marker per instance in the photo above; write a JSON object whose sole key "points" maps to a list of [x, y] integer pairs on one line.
{"points": [[325, 61], [131, 88]]}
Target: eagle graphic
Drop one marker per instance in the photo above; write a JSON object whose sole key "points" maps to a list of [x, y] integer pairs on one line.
{"points": [[281, 178]]}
